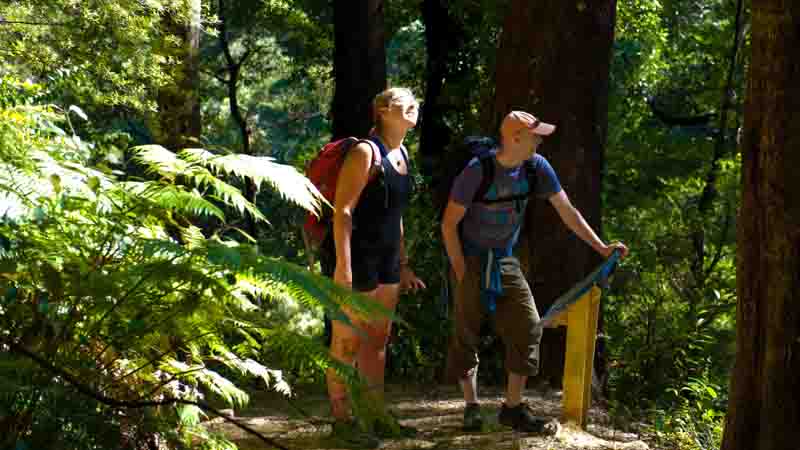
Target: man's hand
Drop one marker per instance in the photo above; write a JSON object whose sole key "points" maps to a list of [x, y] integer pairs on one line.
{"points": [[609, 249], [409, 280]]}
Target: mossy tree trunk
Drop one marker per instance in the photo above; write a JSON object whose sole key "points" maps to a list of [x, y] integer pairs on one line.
{"points": [[178, 124]]}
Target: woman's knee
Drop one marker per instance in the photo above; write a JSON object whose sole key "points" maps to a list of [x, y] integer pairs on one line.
{"points": [[345, 345], [378, 333]]}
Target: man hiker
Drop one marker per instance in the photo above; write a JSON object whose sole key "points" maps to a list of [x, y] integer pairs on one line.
{"points": [[479, 235]]}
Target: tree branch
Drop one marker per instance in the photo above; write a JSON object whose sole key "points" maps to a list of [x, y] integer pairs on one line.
{"points": [[236, 112], [723, 234], [115, 403], [675, 121], [709, 193], [710, 189], [151, 362]]}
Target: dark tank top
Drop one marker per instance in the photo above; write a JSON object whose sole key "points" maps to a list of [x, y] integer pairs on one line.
{"points": [[376, 219]]}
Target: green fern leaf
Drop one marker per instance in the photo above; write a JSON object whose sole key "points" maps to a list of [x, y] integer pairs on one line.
{"points": [[284, 179]]}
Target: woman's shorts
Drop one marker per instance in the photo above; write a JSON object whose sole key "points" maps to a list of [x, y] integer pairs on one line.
{"points": [[371, 266]]}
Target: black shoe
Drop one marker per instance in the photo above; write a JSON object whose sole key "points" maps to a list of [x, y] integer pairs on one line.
{"points": [[521, 418], [473, 420], [349, 434]]}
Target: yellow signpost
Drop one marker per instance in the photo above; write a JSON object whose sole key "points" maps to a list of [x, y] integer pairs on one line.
{"points": [[580, 318]]}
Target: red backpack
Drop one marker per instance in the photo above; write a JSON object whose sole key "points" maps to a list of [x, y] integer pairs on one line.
{"points": [[323, 171]]}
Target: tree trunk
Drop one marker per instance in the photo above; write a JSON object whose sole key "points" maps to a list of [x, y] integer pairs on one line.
{"points": [[764, 405], [359, 64], [178, 124], [443, 40], [553, 61]]}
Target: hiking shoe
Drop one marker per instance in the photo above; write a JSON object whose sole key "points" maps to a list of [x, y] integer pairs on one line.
{"points": [[521, 418], [388, 427], [349, 434], [473, 420]]}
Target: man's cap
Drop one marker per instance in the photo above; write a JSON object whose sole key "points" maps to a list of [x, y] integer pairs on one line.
{"points": [[517, 120]]}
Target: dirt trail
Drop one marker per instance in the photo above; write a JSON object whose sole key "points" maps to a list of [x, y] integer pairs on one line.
{"points": [[436, 414]]}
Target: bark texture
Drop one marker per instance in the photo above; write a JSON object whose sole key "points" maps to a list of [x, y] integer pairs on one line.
{"points": [[359, 64], [554, 61], [179, 122], [764, 405], [444, 41]]}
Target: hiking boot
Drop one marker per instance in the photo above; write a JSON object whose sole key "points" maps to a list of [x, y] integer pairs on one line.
{"points": [[473, 420], [349, 434], [388, 427], [521, 418]]}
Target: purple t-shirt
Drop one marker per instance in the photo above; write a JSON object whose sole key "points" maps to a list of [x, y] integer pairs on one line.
{"points": [[492, 225]]}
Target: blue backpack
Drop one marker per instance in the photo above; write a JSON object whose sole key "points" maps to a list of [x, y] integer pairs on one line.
{"points": [[457, 158]]}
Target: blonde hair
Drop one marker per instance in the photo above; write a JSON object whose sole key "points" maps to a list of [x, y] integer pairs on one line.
{"points": [[384, 100]]}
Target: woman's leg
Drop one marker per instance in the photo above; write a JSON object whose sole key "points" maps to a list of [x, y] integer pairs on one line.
{"points": [[372, 351], [345, 345]]}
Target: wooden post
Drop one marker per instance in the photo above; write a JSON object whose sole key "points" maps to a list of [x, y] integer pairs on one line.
{"points": [[581, 322]]}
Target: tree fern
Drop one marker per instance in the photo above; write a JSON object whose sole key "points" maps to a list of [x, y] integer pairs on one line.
{"points": [[286, 180], [174, 198], [110, 295]]}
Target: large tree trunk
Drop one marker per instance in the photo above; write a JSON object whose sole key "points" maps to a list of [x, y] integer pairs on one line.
{"points": [[764, 406], [359, 64], [444, 38], [178, 124], [553, 61]]}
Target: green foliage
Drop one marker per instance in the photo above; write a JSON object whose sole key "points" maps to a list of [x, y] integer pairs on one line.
{"points": [[107, 53], [697, 420], [111, 294], [671, 313]]}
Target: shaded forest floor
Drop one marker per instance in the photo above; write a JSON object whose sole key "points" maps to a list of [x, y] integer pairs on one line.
{"points": [[436, 413]]}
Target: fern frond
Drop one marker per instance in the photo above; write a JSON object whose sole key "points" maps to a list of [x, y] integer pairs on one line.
{"points": [[193, 237], [174, 198], [283, 179], [210, 379], [160, 160], [190, 415], [298, 347], [224, 192], [250, 367], [298, 278]]}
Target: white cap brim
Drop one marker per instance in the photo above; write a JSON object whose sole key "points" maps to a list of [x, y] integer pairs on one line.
{"points": [[544, 129]]}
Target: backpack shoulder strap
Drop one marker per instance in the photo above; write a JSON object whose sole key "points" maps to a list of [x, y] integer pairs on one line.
{"points": [[404, 152], [487, 177], [530, 173], [377, 150], [377, 154]]}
